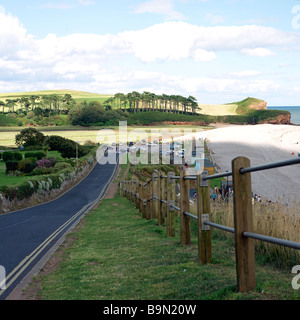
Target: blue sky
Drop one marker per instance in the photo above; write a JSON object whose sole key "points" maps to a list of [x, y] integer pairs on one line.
{"points": [[219, 51]]}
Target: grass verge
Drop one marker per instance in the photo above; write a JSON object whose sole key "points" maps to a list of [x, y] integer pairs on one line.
{"points": [[117, 255]]}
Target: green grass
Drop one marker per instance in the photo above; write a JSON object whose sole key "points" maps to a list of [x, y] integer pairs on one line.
{"points": [[117, 255], [6, 180]]}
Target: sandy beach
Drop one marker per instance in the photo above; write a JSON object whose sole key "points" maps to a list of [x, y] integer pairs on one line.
{"points": [[261, 144]]}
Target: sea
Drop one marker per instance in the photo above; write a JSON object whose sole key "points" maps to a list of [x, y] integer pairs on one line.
{"points": [[295, 113]]}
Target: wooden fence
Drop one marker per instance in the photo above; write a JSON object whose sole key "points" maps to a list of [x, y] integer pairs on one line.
{"points": [[156, 199]]}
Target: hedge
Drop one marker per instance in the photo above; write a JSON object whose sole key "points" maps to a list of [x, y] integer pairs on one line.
{"points": [[11, 165], [11, 156]]}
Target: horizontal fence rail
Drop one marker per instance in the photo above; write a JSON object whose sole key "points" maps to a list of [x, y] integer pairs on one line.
{"points": [[156, 199]]}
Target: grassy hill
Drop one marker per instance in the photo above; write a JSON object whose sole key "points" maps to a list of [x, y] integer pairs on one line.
{"points": [[218, 109], [78, 96]]}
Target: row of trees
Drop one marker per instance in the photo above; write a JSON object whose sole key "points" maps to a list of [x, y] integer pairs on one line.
{"points": [[51, 102], [147, 101]]}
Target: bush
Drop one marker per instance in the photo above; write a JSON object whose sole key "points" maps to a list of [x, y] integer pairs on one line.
{"points": [[66, 147], [12, 156], [11, 166], [61, 165], [46, 162], [40, 155], [30, 137], [25, 190], [7, 156], [40, 171], [29, 155], [26, 165]]}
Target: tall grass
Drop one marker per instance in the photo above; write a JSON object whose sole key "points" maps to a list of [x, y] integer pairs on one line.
{"points": [[275, 220]]}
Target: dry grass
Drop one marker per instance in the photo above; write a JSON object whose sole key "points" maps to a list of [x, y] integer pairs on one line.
{"points": [[275, 220], [218, 109]]}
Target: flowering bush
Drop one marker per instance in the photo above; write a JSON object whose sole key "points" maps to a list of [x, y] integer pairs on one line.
{"points": [[46, 162]]}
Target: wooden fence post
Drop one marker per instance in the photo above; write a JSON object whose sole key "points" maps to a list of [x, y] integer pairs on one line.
{"points": [[136, 191], [127, 190], [185, 224], [141, 196], [144, 200], [131, 190], [203, 210], [148, 203], [155, 195], [171, 201], [243, 221], [162, 213], [121, 189]]}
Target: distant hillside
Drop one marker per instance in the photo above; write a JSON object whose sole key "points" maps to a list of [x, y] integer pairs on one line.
{"points": [[249, 104], [76, 95]]}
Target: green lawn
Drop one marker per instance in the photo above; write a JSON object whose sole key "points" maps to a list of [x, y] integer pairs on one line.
{"points": [[6, 180], [117, 255]]}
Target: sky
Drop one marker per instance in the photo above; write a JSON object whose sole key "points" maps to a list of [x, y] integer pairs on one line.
{"points": [[218, 51]]}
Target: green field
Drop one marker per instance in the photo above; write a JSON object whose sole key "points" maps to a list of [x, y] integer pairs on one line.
{"points": [[7, 138]]}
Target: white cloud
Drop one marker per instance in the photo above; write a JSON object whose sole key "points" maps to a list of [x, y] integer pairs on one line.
{"points": [[180, 40], [164, 7], [201, 55], [13, 35], [92, 62], [258, 52]]}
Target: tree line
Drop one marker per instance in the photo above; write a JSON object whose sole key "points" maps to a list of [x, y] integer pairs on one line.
{"points": [[46, 103], [147, 101]]}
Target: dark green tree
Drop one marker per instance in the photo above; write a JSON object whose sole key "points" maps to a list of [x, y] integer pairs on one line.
{"points": [[29, 137]]}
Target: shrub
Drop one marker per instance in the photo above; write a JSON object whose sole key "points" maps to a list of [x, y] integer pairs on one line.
{"points": [[7, 156], [40, 155], [29, 155], [40, 171], [29, 137], [66, 147], [25, 190], [46, 162], [11, 166], [12, 156], [26, 165], [61, 165], [18, 156]]}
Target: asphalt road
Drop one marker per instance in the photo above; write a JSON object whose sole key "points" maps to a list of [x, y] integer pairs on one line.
{"points": [[27, 235]]}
